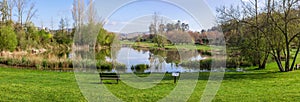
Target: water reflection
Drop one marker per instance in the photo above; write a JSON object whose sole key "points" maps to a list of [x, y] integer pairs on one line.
{"points": [[158, 60]]}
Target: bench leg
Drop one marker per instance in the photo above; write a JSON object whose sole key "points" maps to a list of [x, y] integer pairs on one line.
{"points": [[101, 81], [117, 81]]}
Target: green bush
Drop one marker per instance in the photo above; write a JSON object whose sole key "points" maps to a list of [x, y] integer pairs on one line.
{"points": [[140, 67], [45, 64], [25, 62], [9, 62], [14, 62], [208, 53], [230, 63], [245, 64], [8, 38], [104, 65], [2, 60], [205, 64]]}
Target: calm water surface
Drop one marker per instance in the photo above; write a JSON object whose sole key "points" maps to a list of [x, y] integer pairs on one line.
{"points": [[158, 60]]}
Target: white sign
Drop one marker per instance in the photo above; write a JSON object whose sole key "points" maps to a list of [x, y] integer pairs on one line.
{"points": [[175, 74]]}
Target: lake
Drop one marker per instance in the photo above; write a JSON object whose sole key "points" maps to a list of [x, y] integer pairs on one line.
{"points": [[159, 60]]}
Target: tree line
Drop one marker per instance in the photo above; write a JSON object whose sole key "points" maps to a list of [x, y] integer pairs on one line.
{"points": [[22, 34], [177, 33], [260, 31]]}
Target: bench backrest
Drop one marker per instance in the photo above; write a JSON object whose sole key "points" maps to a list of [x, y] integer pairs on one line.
{"points": [[111, 75]]}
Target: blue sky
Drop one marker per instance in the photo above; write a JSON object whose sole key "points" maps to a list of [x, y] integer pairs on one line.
{"points": [[52, 9], [126, 15]]}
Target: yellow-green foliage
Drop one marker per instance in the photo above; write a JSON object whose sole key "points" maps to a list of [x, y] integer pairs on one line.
{"points": [[8, 38]]}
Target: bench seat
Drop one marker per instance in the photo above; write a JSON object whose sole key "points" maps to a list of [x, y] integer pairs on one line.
{"points": [[109, 76]]}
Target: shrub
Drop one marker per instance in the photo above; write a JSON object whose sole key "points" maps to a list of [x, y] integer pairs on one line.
{"points": [[208, 53], [45, 64], [205, 64], [9, 62], [140, 67], [13, 62], [2, 60], [8, 38], [230, 63], [38, 66], [25, 62], [104, 65], [245, 64]]}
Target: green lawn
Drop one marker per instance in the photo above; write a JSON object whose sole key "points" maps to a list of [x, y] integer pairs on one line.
{"points": [[154, 45], [32, 85], [253, 85]]}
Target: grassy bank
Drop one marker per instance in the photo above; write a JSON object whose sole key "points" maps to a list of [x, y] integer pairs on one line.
{"points": [[253, 85], [168, 46]]}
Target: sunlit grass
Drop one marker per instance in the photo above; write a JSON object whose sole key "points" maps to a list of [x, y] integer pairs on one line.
{"points": [[40, 86], [168, 46], [252, 85]]}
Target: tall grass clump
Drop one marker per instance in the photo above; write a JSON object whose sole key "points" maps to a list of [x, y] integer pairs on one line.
{"points": [[36, 62]]}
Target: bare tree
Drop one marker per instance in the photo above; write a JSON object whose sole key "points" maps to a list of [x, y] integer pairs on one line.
{"points": [[78, 12], [285, 18], [11, 5], [155, 22], [152, 29], [31, 12], [20, 9], [274, 29], [231, 20], [62, 24], [67, 24], [155, 27], [91, 12], [251, 10], [23, 10], [52, 23], [4, 10]]}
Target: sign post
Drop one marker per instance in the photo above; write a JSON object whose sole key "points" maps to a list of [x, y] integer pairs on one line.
{"points": [[175, 75]]}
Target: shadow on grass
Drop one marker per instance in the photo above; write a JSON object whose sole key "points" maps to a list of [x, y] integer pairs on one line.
{"points": [[237, 75], [243, 75], [227, 76], [164, 83], [104, 82]]}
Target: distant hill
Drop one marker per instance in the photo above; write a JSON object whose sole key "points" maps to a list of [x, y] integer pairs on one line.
{"points": [[132, 35]]}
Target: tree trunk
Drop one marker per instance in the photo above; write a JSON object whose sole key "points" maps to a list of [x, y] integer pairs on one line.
{"points": [[254, 63], [263, 64], [278, 61], [295, 57], [287, 60], [279, 65]]}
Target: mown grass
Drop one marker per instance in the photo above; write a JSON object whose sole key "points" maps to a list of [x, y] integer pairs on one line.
{"points": [[252, 85], [33, 85], [168, 46]]}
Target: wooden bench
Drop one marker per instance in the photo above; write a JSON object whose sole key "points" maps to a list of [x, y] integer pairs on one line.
{"points": [[109, 76]]}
